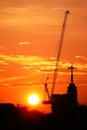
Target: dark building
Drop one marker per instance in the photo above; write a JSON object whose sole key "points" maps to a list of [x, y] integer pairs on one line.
{"points": [[65, 105]]}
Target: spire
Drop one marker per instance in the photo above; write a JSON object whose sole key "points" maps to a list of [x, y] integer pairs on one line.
{"points": [[71, 73]]}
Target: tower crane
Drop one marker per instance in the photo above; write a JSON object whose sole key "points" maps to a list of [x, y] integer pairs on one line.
{"points": [[57, 61]]}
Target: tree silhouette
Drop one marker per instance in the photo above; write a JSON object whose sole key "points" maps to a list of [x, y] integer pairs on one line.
{"points": [[21, 118]]}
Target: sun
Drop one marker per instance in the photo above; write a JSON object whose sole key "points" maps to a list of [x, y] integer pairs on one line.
{"points": [[33, 99]]}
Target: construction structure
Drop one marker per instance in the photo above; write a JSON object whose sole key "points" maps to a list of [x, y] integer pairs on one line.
{"points": [[65, 105], [62, 104]]}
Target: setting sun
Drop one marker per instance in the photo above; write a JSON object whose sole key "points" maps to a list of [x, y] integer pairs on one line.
{"points": [[33, 99]]}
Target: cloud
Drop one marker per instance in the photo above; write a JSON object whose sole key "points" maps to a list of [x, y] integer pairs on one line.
{"points": [[11, 81], [81, 57], [25, 43], [3, 62], [39, 64], [25, 70]]}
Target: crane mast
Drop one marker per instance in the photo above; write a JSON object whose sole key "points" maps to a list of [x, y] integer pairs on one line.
{"points": [[59, 51]]}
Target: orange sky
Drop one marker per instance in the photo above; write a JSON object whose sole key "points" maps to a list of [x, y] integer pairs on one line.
{"points": [[29, 35]]}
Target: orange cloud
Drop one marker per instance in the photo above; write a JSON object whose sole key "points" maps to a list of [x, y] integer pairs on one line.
{"points": [[81, 57], [25, 43], [35, 62]]}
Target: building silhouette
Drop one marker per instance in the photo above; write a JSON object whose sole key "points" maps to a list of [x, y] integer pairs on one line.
{"points": [[65, 105]]}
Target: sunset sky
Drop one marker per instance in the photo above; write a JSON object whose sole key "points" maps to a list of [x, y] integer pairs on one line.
{"points": [[29, 37]]}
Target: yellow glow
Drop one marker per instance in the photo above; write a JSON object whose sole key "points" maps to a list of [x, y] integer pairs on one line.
{"points": [[33, 99]]}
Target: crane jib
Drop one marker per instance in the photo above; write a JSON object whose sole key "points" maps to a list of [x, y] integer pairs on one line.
{"points": [[57, 61], [59, 51]]}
